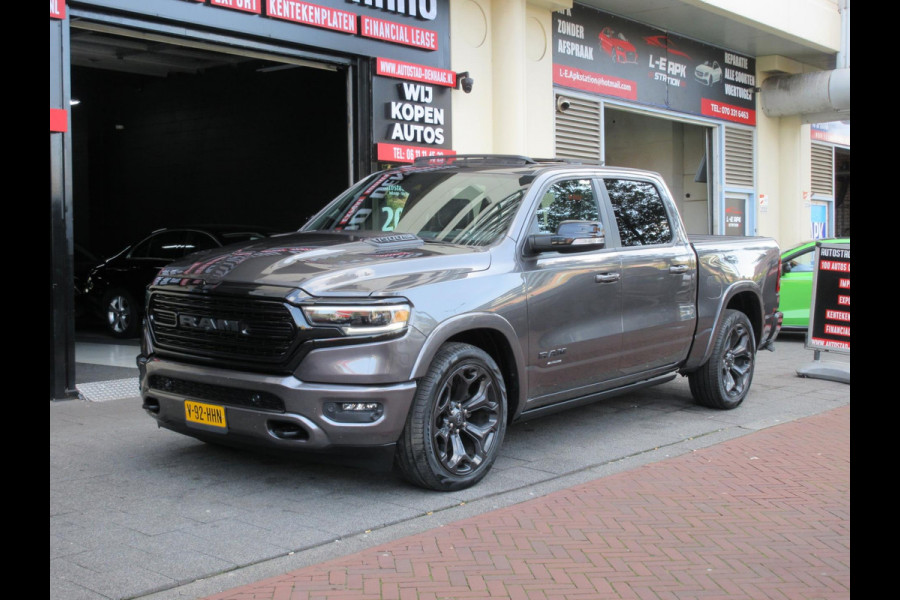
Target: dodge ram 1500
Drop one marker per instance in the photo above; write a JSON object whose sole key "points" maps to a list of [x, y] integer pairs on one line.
{"points": [[431, 305]]}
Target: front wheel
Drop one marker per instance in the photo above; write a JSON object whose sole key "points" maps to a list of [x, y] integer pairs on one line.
{"points": [[120, 313], [724, 380], [457, 421]]}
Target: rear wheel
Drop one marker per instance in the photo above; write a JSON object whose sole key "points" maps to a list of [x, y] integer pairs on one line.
{"points": [[457, 421], [724, 381]]}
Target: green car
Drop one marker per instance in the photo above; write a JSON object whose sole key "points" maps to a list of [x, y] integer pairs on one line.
{"points": [[797, 265]]}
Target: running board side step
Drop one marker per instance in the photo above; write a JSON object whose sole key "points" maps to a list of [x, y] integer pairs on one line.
{"points": [[591, 398]]}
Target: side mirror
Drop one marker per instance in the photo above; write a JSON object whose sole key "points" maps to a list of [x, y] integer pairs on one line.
{"points": [[786, 266], [571, 236]]}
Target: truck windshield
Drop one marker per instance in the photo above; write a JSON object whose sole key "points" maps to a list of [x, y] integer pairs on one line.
{"points": [[473, 208]]}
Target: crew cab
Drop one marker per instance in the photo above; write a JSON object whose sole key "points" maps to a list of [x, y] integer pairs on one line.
{"points": [[431, 305]]}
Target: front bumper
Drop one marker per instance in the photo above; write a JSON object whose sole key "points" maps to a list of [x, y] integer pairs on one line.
{"points": [[273, 411]]}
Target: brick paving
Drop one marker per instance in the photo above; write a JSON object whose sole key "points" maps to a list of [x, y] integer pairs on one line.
{"points": [[763, 516]]}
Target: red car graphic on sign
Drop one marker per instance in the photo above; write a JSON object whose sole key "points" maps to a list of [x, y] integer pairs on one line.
{"points": [[663, 41], [617, 46]]}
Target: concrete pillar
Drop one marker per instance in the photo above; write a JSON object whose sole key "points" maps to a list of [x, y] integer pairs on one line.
{"points": [[509, 81], [795, 181], [783, 165]]}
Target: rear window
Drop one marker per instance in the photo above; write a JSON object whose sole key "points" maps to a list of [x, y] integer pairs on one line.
{"points": [[640, 212]]}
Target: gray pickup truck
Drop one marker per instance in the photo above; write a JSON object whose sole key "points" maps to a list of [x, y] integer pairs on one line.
{"points": [[429, 306]]}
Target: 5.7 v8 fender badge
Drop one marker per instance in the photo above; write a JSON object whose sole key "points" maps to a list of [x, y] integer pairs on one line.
{"points": [[551, 353]]}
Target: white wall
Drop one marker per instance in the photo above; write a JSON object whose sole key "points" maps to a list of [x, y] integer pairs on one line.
{"points": [[783, 155], [470, 50], [816, 23], [505, 45]]}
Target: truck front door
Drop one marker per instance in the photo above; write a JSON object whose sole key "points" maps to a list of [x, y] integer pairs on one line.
{"points": [[574, 312]]}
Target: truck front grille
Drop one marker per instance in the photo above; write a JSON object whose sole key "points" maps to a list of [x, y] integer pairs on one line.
{"points": [[253, 330]]}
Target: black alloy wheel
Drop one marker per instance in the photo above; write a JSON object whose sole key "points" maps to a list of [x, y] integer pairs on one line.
{"points": [[457, 421], [724, 381]]}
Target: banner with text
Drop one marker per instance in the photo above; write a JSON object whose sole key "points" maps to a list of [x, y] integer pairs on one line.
{"points": [[57, 9], [597, 52], [835, 132], [418, 26]]}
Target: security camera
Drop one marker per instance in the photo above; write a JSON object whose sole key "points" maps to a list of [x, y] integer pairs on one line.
{"points": [[466, 82], [562, 104]]}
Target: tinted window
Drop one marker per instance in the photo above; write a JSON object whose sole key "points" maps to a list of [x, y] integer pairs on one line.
{"points": [[640, 212], [167, 245], [571, 200], [802, 263], [198, 240]]}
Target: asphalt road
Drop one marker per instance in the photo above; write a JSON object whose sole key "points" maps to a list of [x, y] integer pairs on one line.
{"points": [[141, 512]]}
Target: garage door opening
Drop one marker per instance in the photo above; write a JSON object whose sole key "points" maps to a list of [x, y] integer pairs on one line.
{"points": [[593, 132], [167, 135], [680, 152]]}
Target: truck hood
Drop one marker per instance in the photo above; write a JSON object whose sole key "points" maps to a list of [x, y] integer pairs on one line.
{"points": [[328, 263]]}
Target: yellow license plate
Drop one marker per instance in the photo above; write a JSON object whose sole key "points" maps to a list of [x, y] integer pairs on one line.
{"points": [[204, 414]]}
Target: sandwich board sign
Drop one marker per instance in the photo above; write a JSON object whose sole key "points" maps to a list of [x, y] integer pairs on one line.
{"points": [[829, 311]]}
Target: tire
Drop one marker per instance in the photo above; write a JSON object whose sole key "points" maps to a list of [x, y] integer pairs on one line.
{"points": [[724, 380], [457, 421], [120, 314]]}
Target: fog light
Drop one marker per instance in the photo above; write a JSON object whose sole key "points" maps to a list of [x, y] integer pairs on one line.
{"points": [[354, 412]]}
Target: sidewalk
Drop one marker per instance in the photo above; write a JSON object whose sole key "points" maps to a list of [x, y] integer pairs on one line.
{"points": [[762, 516], [138, 512]]}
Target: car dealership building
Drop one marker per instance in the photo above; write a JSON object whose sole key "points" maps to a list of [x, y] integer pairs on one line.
{"points": [[174, 112]]}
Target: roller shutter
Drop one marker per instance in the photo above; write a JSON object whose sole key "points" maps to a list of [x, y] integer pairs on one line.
{"points": [[579, 131], [822, 169], [739, 157]]}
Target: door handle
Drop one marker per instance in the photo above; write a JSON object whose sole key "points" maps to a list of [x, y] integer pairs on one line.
{"points": [[678, 269], [606, 277]]}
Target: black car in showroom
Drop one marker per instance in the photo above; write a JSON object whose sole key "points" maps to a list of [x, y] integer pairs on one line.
{"points": [[114, 289]]}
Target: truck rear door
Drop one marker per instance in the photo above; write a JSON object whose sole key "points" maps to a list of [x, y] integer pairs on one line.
{"points": [[658, 281]]}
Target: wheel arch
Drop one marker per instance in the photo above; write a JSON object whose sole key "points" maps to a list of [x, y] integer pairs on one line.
{"points": [[491, 333], [744, 297], [749, 302]]}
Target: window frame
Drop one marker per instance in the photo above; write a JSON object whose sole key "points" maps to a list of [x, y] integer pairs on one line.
{"points": [[526, 230]]}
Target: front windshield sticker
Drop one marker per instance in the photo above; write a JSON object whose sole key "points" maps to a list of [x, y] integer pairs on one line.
{"points": [[351, 220], [395, 198]]}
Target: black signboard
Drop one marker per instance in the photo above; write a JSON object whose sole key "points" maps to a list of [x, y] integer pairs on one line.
{"points": [[829, 316], [734, 216], [597, 52], [411, 116]]}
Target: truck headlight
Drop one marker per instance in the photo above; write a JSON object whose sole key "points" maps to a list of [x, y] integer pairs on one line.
{"points": [[360, 319]]}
